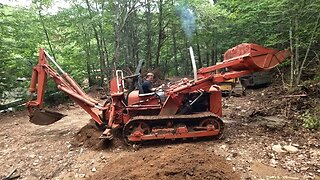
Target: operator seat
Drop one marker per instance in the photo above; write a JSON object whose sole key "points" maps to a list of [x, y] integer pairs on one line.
{"points": [[141, 92]]}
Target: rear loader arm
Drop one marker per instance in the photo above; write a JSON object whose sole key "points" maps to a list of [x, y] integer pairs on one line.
{"points": [[64, 83], [248, 57], [241, 60]]}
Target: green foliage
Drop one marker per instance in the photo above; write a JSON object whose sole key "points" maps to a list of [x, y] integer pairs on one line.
{"points": [[310, 121], [317, 77], [17, 46], [90, 38]]}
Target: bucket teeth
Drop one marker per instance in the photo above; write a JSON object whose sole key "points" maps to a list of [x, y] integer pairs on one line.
{"points": [[45, 117]]}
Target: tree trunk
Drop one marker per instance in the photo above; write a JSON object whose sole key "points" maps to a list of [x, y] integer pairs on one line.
{"points": [[96, 35], [296, 62], [106, 52], [148, 33], [292, 60], [207, 54], [198, 51], [88, 56], [175, 50], [135, 46], [88, 63], [213, 59], [116, 33], [104, 47], [160, 33], [121, 13], [46, 33], [308, 50], [214, 52], [199, 55], [187, 57]]}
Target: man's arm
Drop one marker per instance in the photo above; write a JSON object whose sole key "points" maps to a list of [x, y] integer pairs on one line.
{"points": [[150, 87]]}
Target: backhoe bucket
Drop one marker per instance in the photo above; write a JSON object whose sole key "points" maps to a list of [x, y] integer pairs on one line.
{"points": [[45, 117]]}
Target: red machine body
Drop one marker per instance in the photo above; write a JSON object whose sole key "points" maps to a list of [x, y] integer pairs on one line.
{"points": [[184, 109]]}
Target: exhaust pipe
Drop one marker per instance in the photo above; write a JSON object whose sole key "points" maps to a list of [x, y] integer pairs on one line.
{"points": [[193, 61]]}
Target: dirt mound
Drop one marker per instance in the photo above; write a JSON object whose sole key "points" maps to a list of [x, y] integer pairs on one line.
{"points": [[88, 136], [274, 100], [184, 161]]}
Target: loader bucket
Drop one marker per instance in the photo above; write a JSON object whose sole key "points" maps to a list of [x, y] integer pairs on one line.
{"points": [[255, 57], [45, 117]]}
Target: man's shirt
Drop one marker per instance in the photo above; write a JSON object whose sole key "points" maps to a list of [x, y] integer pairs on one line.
{"points": [[146, 87]]}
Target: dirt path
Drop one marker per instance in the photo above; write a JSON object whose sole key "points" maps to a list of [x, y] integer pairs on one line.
{"points": [[58, 151]]}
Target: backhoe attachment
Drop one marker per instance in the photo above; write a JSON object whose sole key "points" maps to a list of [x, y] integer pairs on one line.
{"points": [[37, 114], [65, 83]]}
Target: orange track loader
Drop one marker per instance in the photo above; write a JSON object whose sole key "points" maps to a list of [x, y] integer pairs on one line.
{"points": [[184, 109]]}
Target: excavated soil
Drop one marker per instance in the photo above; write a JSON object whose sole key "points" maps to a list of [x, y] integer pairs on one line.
{"points": [[88, 136], [185, 161]]}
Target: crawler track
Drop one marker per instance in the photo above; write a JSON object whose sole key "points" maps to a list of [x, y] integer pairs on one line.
{"points": [[145, 128]]}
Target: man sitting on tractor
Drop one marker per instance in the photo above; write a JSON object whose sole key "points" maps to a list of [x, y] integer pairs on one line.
{"points": [[147, 86]]}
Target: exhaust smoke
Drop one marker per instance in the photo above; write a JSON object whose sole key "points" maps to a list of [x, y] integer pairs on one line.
{"points": [[188, 23], [188, 20]]}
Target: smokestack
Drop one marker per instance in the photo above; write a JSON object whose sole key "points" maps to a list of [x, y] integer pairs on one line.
{"points": [[194, 67]]}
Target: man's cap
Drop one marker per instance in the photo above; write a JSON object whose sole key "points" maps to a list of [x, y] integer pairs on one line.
{"points": [[150, 74]]}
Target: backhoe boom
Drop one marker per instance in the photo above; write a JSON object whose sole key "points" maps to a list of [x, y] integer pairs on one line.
{"points": [[65, 83]]}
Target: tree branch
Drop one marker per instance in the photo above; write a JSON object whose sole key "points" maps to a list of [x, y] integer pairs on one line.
{"points": [[307, 53]]}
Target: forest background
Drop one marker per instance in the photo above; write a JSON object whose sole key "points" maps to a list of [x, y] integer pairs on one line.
{"points": [[90, 38]]}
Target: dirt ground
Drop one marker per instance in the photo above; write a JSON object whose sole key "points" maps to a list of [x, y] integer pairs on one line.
{"points": [[70, 148]]}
